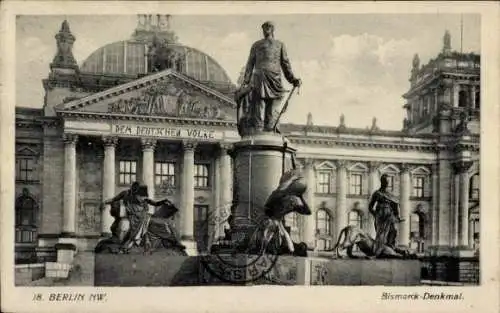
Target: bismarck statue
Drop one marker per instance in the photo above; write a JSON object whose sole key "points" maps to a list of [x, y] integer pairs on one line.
{"points": [[261, 92]]}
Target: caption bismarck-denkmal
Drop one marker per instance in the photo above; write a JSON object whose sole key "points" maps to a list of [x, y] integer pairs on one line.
{"points": [[422, 296]]}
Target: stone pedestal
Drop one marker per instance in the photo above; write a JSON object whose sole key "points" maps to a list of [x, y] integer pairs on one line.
{"points": [[162, 269], [258, 164]]}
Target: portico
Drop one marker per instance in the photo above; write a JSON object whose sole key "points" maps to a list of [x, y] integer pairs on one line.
{"points": [[129, 159]]}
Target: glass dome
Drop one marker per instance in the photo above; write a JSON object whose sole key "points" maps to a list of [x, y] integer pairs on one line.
{"points": [[129, 57]]}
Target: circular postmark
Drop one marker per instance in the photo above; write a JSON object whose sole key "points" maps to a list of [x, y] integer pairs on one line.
{"points": [[245, 256]]}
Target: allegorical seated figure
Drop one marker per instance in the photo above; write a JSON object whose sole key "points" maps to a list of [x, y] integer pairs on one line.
{"points": [[139, 228], [285, 199], [262, 90]]}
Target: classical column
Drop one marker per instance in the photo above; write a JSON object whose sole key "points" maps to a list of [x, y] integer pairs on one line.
{"points": [[462, 168], [309, 220], [435, 206], [69, 197], [108, 188], [404, 227], [225, 182], [148, 167], [471, 234], [374, 185], [473, 97], [226, 176], [187, 195], [215, 222], [341, 209], [456, 89]]}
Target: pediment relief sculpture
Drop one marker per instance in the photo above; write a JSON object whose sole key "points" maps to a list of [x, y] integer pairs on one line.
{"points": [[167, 100]]}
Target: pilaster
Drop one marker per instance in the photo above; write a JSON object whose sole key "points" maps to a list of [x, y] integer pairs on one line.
{"points": [[308, 230], [374, 185], [404, 226], [341, 209], [461, 170]]}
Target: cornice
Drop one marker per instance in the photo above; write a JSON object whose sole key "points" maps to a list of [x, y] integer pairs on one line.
{"points": [[145, 118], [354, 143]]}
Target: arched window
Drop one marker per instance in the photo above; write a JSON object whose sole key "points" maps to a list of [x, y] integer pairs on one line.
{"points": [[474, 187], [26, 208], [291, 220], [415, 226], [323, 221], [323, 229], [355, 218], [462, 99], [417, 230]]}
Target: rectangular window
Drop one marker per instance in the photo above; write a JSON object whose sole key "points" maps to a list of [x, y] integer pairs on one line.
{"points": [[324, 182], [128, 172], [201, 177], [474, 187], [390, 183], [25, 235], [25, 170], [356, 183], [165, 173], [418, 187]]}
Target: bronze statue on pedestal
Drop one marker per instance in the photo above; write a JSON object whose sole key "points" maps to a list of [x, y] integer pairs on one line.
{"points": [[262, 90]]}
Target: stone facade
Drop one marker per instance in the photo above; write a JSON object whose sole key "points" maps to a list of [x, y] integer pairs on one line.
{"points": [[93, 138]]}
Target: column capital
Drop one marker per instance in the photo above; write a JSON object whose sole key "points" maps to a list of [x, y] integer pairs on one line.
{"points": [[462, 166], [70, 139], [148, 144], [341, 164], [224, 147], [374, 165], [189, 145], [309, 163], [435, 169], [405, 168], [109, 141]]}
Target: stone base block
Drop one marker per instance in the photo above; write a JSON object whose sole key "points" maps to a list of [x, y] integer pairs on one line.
{"points": [[365, 272], [57, 270], [161, 269], [26, 273], [157, 269], [191, 247]]}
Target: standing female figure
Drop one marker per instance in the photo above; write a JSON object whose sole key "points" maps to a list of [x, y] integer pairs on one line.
{"points": [[384, 207]]}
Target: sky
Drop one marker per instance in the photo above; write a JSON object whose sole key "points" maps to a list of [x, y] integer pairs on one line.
{"points": [[356, 65]]}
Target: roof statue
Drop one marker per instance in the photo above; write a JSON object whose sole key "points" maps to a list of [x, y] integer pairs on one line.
{"points": [[374, 126], [309, 119], [162, 56], [342, 121]]}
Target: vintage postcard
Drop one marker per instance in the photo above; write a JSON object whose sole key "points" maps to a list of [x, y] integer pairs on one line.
{"points": [[252, 156]]}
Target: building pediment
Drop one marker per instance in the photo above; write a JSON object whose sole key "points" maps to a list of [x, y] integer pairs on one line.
{"points": [[167, 94]]}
